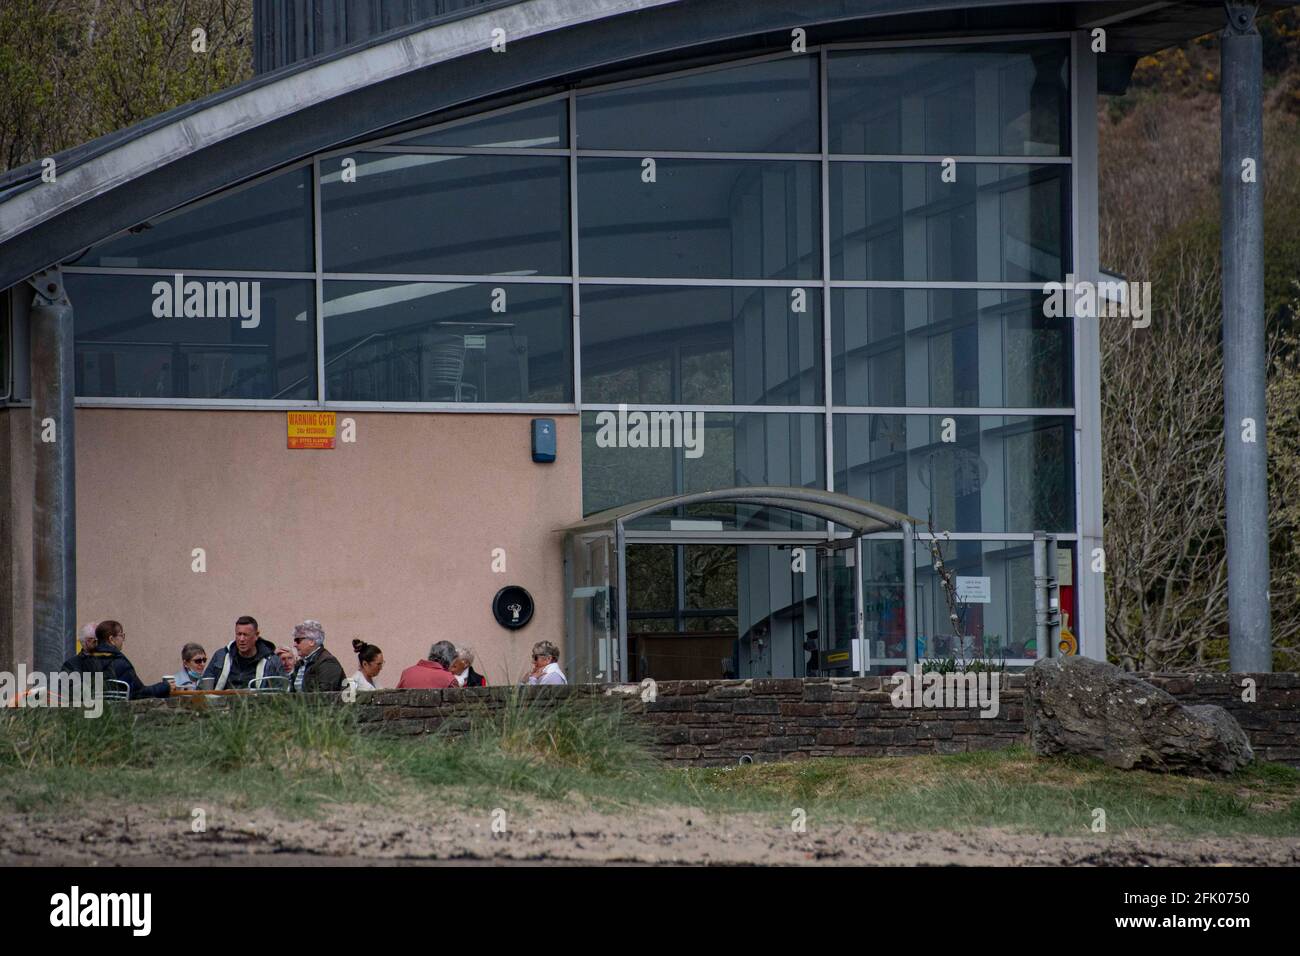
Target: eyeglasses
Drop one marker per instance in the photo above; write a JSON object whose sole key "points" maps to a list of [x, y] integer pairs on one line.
{"points": [[198, 660], [299, 640]]}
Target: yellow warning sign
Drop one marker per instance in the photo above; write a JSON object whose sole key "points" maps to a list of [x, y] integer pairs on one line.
{"points": [[311, 429]]}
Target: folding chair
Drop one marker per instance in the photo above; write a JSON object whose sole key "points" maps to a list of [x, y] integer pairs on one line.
{"points": [[269, 685]]}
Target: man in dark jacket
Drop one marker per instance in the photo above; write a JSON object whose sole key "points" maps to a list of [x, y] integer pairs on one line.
{"points": [[317, 669], [247, 657], [85, 644], [107, 658]]}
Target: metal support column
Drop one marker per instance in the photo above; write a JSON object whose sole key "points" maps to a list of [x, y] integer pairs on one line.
{"points": [[909, 593], [1042, 631], [54, 518], [620, 667], [859, 611], [1245, 435]]}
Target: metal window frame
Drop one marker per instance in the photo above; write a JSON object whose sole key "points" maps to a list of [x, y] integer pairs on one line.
{"points": [[575, 279], [7, 355], [1081, 213], [192, 205]]}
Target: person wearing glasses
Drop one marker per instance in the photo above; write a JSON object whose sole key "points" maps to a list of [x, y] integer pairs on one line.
{"points": [[193, 660], [317, 669], [107, 659], [546, 665]]}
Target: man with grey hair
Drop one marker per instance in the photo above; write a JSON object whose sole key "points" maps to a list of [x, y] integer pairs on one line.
{"points": [[85, 645], [433, 674], [463, 669], [317, 669]]}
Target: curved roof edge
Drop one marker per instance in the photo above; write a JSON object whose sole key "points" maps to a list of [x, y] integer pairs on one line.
{"points": [[862, 516], [263, 100], [359, 91]]}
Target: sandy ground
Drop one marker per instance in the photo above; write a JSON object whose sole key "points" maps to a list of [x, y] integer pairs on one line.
{"points": [[670, 836]]}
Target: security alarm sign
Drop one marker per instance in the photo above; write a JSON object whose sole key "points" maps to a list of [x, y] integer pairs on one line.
{"points": [[311, 429]]}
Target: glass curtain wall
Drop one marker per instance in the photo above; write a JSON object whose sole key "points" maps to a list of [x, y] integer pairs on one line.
{"points": [[828, 267]]}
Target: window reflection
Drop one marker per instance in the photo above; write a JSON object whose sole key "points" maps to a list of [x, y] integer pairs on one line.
{"points": [[447, 342], [949, 347], [1009, 99], [737, 449], [757, 107], [533, 127], [264, 227], [699, 219], [901, 221], [701, 346], [447, 215], [961, 473], [124, 350]]}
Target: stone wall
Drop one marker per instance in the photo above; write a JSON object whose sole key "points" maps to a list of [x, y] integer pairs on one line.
{"points": [[1271, 721], [712, 723], [716, 723]]}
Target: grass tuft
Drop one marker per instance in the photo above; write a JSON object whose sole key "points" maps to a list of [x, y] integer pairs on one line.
{"points": [[298, 755]]}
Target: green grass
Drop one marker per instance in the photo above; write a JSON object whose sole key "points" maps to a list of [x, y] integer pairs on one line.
{"points": [[300, 757], [1013, 789]]}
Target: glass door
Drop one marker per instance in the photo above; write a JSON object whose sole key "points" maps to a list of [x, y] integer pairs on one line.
{"points": [[590, 578], [836, 613]]}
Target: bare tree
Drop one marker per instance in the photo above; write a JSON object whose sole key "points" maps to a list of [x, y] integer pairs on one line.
{"points": [[1162, 394]]}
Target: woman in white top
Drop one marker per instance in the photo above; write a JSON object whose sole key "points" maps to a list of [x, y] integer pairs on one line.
{"points": [[371, 660]]}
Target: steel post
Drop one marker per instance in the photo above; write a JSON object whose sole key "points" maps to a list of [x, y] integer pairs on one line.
{"points": [[54, 515], [1244, 359]]}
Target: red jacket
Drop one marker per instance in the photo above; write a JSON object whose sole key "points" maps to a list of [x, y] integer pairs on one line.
{"points": [[426, 675]]}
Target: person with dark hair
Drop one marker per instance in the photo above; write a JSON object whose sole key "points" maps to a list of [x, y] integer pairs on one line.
{"points": [[107, 658], [193, 659], [248, 657], [433, 674], [317, 669], [371, 661]]}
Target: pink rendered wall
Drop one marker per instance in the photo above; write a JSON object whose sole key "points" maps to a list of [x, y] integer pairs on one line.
{"points": [[389, 539]]}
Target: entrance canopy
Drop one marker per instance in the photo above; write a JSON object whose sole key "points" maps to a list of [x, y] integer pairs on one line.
{"points": [[596, 567], [861, 517]]}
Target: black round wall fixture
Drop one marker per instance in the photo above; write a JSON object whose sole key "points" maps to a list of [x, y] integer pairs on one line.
{"points": [[512, 607]]}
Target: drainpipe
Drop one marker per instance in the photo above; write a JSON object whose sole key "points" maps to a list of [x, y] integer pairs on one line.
{"points": [[1245, 445]]}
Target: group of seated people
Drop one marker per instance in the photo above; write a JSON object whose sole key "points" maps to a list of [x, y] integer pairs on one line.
{"points": [[307, 665]]}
